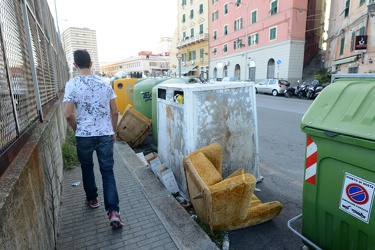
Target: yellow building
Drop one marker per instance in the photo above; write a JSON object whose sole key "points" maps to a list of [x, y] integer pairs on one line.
{"points": [[191, 39]]}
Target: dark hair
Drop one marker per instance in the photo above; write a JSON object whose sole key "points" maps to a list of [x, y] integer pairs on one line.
{"points": [[82, 59]]}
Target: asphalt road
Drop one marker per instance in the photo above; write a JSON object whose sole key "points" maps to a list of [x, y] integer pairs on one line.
{"points": [[282, 152]]}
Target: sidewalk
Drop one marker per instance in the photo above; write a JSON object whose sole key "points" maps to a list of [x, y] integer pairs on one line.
{"points": [[152, 217]]}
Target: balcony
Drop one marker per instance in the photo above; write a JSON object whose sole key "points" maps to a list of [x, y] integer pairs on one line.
{"points": [[192, 40]]}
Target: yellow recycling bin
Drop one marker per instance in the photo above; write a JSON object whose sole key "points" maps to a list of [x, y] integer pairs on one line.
{"points": [[124, 90]]}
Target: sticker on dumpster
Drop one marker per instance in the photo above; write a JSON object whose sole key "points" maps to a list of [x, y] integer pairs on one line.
{"points": [[311, 160], [357, 197]]}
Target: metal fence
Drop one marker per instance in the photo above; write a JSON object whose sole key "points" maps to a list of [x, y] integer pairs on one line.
{"points": [[33, 70]]}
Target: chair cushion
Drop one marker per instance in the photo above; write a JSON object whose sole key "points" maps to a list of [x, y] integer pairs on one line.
{"points": [[205, 169]]}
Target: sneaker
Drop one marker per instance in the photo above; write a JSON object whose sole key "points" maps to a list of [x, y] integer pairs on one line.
{"points": [[114, 219], [93, 203]]}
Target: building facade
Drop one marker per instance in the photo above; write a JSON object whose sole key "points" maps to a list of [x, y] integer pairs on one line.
{"points": [[146, 64], [255, 40], [191, 38], [80, 38], [351, 36]]}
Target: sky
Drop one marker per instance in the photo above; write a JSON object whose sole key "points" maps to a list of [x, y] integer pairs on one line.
{"points": [[123, 27]]}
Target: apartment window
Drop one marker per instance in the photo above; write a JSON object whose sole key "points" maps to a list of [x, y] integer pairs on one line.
{"points": [[238, 3], [183, 2], [214, 1], [226, 9], [215, 16], [361, 2], [346, 10], [192, 55], [238, 24], [225, 30], [342, 45], [183, 18], [201, 53], [184, 35], [201, 28], [273, 10], [273, 33], [253, 39], [352, 42], [192, 32], [200, 8], [225, 48], [254, 16], [215, 34], [214, 51], [353, 70], [191, 14], [237, 44]]}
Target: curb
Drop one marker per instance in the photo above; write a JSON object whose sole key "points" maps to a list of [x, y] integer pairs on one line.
{"points": [[184, 231]]}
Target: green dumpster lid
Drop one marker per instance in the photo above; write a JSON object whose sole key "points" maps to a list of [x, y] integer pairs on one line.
{"points": [[346, 106]]}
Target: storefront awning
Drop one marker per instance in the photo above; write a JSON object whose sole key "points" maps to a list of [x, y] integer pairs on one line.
{"points": [[345, 60], [185, 70]]}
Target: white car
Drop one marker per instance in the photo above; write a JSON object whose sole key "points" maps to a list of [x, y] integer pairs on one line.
{"points": [[271, 86]]}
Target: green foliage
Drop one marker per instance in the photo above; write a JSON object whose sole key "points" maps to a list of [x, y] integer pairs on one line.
{"points": [[216, 236], [69, 151], [322, 75]]}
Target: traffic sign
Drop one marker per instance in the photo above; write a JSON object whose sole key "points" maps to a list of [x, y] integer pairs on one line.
{"points": [[278, 61]]}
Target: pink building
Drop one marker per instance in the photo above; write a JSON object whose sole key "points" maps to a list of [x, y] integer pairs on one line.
{"points": [[255, 40]]}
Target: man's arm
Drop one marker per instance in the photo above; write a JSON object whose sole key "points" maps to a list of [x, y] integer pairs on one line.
{"points": [[114, 114], [69, 115]]}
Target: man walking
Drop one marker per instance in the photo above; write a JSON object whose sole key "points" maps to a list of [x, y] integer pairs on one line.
{"points": [[94, 123]]}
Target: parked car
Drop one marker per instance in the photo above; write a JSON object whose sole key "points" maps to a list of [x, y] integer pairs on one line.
{"points": [[271, 86], [230, 79]]}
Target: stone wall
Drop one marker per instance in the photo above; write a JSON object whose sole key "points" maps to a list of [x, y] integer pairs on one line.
{"points": [[30, 189]]}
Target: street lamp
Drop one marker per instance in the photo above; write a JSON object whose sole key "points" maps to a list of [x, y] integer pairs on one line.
{"points": [[246, 34], [179, 56]]}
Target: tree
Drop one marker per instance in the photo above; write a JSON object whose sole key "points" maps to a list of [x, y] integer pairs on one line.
{"points": [[323, 75]]}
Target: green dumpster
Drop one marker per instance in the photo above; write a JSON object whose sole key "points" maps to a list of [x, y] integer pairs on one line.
{"points": [[339, 179]]}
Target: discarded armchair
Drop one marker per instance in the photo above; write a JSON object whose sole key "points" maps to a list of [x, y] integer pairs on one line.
{"points": [[224, 204]]}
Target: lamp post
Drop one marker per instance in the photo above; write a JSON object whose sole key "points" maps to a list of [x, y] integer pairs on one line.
{"points": [[179, 56], [246, 34]]}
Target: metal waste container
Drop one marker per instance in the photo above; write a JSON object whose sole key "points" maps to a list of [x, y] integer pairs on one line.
{"points": [[339, 176], [186, 80], [123, 88], [191, 116]]}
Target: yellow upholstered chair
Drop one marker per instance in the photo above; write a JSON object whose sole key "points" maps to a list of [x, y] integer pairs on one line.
{"points": [[224, 204]]}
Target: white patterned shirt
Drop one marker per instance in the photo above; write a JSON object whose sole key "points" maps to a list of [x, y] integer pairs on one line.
{"points": [[91, 97]]}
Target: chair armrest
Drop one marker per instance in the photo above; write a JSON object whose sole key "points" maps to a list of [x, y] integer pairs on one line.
{"points": [[231, 198]]}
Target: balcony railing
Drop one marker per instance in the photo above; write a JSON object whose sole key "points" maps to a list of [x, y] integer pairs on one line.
{"points": [[192, 40]]}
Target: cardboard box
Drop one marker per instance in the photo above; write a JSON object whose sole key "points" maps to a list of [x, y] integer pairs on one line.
{"points": [[154, 164], [166, 176], [133, 127], [149, 157]]}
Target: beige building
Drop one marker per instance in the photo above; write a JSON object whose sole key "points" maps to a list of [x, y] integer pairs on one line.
{"points": [[145, 64], [351, 36], [191, 38], [80, 38]]}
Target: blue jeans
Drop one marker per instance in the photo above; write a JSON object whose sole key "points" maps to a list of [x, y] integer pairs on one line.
{"points": [[103, 145]]}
